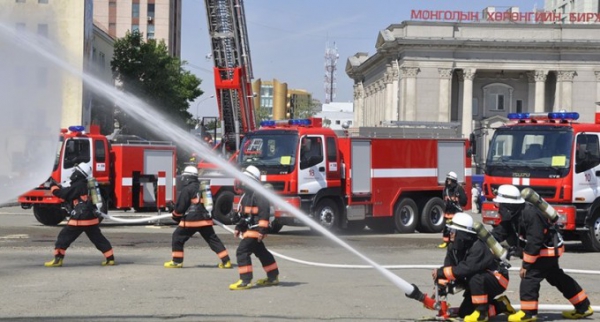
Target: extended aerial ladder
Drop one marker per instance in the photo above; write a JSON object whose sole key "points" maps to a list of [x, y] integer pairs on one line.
{"points": [[233, 68], [233, 84]]}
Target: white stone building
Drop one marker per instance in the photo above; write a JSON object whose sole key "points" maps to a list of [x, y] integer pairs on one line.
{"points": [[469, 72], [336, 114]]}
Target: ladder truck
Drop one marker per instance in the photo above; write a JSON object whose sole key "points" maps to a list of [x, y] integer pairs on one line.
{"points": [[233, 85]]}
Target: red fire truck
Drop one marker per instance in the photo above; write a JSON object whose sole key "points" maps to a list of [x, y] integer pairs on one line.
{"points": [[136, 174], [557, 157], [386, 178]]}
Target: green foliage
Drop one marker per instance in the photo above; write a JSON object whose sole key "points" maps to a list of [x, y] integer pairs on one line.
{"points": [[261, 113], [146, 69]]}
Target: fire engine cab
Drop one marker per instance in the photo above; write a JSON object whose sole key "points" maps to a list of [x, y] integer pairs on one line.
{"points": [[556, 156], [386, 178], [136, 174]]}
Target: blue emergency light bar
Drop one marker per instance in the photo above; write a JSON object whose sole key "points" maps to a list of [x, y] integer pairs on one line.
{"points": [[76, 128], [296, 122], [550, 116]]}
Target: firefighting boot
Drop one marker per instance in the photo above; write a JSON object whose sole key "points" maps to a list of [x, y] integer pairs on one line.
{"points": [[268, 281], [56, 262], [225, 265], [504, 305], [477, 316], [443, 245], [109, 262], [240, 285], [521, 316], [578, 313], [173, 264]]}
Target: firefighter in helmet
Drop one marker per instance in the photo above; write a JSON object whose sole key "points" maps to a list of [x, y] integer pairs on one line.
{"points": [[538, 242], [83, 218], [193, 217], [455, 198], [254, 211], [471, 264]]}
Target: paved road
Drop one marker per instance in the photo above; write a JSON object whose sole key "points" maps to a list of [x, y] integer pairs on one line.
{"points": [[140, 289]]}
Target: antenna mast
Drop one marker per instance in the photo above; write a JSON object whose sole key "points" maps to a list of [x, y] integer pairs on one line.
{"points": [[331, 58]]}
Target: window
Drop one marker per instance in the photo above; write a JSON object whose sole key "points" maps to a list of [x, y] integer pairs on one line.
{"points": [[135, 28], [497, 98], [337, 122], [135, 10], [588, 152], [150, 11], [519, 106], [42, 30], [99, 151], [150, 32], [76, 151], [331, 150]]}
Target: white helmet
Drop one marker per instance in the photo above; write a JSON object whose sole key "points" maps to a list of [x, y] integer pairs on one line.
{"points": [[509, 194], [84, 168], [462, 221], [252, 172], [452, 175], [190, 171]]}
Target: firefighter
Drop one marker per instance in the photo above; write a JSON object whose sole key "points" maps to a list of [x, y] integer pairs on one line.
{"points": [[471, 264], [192, 217], [539, 244], [254, 211], [83, 218], [455, 198]]}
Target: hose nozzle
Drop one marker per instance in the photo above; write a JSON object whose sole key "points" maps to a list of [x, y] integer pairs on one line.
{"points": [[427, 301]]}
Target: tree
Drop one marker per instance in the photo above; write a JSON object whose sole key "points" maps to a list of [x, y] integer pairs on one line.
{"points": [[146, 69]]}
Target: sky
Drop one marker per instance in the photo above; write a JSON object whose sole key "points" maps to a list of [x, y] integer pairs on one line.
{"points": [[288, 38]]}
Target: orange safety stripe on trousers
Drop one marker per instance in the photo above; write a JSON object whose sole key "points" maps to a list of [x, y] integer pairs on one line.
{"points": [[250, 210], [199, 223], [177, 254], [263, 223], [578, 298], [59, 251], [448, 273], [529, 305], [501, 279], [108, 253], [88, 222], [245, 269], [448, 216], [222, 254], [479, 299], [271, 267], [250, 234]]}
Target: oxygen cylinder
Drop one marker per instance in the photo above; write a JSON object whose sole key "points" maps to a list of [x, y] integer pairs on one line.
{"points": [[94, 191], [483, 234], [207, 199], [532, 196]]}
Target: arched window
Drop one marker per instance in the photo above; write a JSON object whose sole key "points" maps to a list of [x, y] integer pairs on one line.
{"points": [[498, 97]]}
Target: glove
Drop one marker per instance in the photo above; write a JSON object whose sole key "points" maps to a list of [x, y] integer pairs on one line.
{"points": [[170, 206], [176, 219]]}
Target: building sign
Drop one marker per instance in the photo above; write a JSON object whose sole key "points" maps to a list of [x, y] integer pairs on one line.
{"points": [[507, 16]]}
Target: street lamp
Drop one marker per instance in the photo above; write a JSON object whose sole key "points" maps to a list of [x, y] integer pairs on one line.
{"points": [[198, 106]]}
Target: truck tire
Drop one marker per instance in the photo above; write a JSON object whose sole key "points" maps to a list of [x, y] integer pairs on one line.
{"points": [[406, 216], [49, 215], [432, 217], [222, 209], [327, 214], [591, 238], [275, 226]]}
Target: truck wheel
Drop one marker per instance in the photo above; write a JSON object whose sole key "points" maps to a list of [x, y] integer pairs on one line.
{"points": [[327, 214], [275, 226], [406, 216], [222, 209], [49, 215], [432, 218], [591, 238]]}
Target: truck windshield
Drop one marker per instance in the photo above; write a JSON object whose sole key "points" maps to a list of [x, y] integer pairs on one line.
{"points": [[61, 139], [535, 151], [271, 151], [76, 151]]}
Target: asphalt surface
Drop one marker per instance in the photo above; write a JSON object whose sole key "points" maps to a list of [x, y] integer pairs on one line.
{"points": [[140, 289]]}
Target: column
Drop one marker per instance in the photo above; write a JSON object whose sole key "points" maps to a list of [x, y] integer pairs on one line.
{"points": [[540, 90], [530, 92], [389, 94], [410, 100], [566, 96], [402, 96], [467, 106], [597, 73], [444, 94], [359, 104], [395, 96]]}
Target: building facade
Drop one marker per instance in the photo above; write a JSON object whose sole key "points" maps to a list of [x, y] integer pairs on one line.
{"points": [[471, 72], [102, 112], [568, 7], [274, 100], [337, 115], [156, 19]]}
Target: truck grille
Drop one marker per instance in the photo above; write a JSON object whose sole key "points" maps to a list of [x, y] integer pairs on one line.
{"points": [[544, 192], [278, 185]]}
